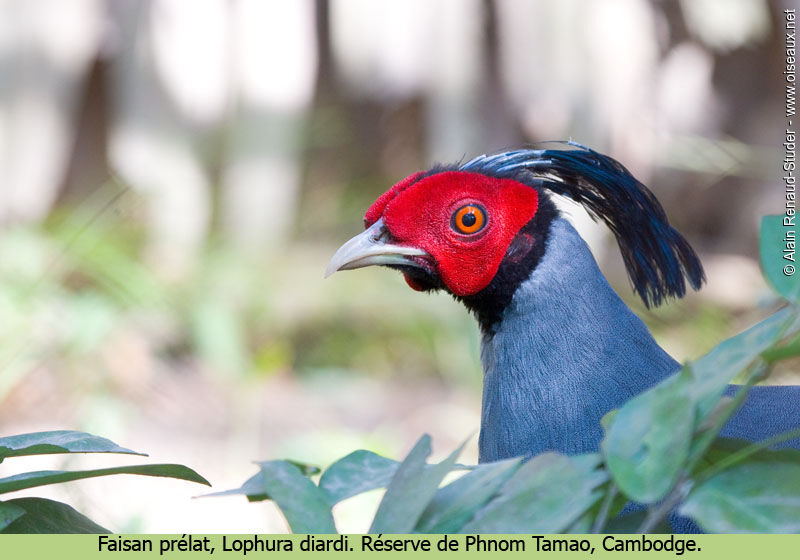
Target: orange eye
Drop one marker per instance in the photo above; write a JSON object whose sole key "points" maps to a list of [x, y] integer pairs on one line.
{"points": [[468, 219]]}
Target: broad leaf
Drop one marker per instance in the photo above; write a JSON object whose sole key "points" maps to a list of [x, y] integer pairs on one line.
{"points": [[583, 524], [759, 495], [411, 489], [586, 523], [713, 372], [48, 516], [608, 419], [716, 414], [304, 505], [782, 352], [61, 441], [252, 489], [42, 478], [358, 472], [720, 449], [648, 442], [8, 513], [546, 495], [455, 504], [780, 271]]}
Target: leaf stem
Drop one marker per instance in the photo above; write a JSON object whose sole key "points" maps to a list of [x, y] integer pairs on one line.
{"points": [[772, 355], [759, 369], [654, 516], [602, 515], [746, 452]]}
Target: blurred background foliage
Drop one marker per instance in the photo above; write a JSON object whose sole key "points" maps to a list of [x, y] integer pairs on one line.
{"points": [[174, 177]]}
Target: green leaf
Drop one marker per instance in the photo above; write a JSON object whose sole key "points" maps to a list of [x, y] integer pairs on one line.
{"points": [[42, 478], [596, 517], [782, 352], [48, 516], [720, 449], [411, 489], [252, 489], [773, 234], [347, 477], [62, 441], [455, 504], [608, 419], [304, 505], [8, 513], [358, 472], [717, 414], [760, 495], [649, 440], [712, 373], [546, 495], [744, 452], [583, 524]]}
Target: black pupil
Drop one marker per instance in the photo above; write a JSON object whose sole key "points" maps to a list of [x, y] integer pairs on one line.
{"points": [[468, 220]]}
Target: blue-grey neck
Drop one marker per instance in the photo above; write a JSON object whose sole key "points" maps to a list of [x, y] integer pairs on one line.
{"points": [[566, 351]]}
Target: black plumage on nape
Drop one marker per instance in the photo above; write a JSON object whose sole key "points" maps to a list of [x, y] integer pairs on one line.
{"points": [[658, 259]]}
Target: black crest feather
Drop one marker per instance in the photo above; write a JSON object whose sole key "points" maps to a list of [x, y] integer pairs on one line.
{"points": [[658, 259]]}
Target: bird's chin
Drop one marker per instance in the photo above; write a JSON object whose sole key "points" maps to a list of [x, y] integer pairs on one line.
{"points": [[420, 279], [417, 284]]}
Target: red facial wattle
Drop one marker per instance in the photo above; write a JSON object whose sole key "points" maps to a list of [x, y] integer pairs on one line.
{"points": [[420, 212]]}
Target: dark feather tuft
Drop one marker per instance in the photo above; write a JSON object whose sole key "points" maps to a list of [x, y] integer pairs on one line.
{"points": [[657, 257]]}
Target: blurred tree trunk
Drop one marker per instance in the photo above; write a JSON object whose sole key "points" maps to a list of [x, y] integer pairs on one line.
{"points": [[47, 48], [166, 78], [273, 70]]}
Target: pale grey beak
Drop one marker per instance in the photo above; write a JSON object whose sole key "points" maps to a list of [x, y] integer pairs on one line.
{"points": [[372, 248]]}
